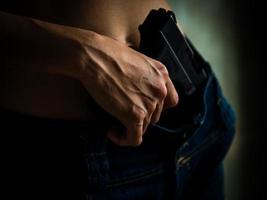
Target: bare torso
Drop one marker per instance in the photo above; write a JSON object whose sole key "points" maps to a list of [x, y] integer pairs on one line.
{"points": [[60, 97]]}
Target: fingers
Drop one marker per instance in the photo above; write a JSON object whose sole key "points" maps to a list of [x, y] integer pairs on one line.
{"points": [[151, 107], [157, 113], [172, 97], [163, 70], [133, 131], [131, 137], [155, 93]]}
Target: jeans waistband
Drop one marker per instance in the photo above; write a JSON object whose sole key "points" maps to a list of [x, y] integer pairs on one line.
{"points": [[21, 131], [91, 136]]}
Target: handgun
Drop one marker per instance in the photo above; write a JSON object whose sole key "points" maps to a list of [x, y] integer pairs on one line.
{"points": [[162, 40]]}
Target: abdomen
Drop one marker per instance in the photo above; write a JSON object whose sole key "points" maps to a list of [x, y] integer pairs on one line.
{"points": [[55, 96]]}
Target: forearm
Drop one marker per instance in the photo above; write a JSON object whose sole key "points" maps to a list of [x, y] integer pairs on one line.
{"points": [[127, 84], [36, 45]]}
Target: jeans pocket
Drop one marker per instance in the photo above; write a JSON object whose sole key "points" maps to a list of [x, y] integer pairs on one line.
{"points": [[132, 177], [195, 148], [209, 143]]}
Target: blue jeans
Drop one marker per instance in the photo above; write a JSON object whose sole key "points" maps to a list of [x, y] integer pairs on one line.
{"points": [[179, 159]]}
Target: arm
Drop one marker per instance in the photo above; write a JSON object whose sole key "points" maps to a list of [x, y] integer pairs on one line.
{"points": [[37, 45], [125, 83]]}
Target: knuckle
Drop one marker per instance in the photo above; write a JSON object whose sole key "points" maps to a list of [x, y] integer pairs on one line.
{"points": [[151, 107], [99, 78], [162, 68], [138, 114], [162, 90]]}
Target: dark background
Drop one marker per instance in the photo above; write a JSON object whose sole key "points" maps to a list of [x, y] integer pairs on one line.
{"points": [[251, 23]]}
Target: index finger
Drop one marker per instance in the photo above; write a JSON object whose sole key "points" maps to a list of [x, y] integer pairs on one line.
{"points": [[172, 97], [131, 137]]}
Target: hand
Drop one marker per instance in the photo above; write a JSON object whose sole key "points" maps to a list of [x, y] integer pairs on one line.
{"points": [[127, 84]]}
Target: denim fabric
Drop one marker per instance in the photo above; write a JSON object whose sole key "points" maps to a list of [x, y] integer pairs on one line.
{"points": [[181, 159], [175, 164]]}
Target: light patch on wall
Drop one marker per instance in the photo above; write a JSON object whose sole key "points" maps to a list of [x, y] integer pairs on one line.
{"points": [[214, 36]]}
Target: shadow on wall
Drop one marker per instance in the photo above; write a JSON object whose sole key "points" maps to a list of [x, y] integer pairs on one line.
{"points": [[213, 33]]}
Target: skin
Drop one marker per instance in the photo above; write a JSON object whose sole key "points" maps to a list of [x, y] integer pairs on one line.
{"points": [[66, 52]]}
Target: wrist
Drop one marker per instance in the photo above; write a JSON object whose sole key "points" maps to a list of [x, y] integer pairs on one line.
{"points": [[88, 47]]}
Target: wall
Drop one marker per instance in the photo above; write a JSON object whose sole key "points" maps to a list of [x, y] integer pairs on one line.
{"points": [[214, 34]]}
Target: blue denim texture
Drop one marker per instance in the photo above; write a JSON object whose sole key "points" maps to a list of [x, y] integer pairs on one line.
{"points": [[48, 159]]}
